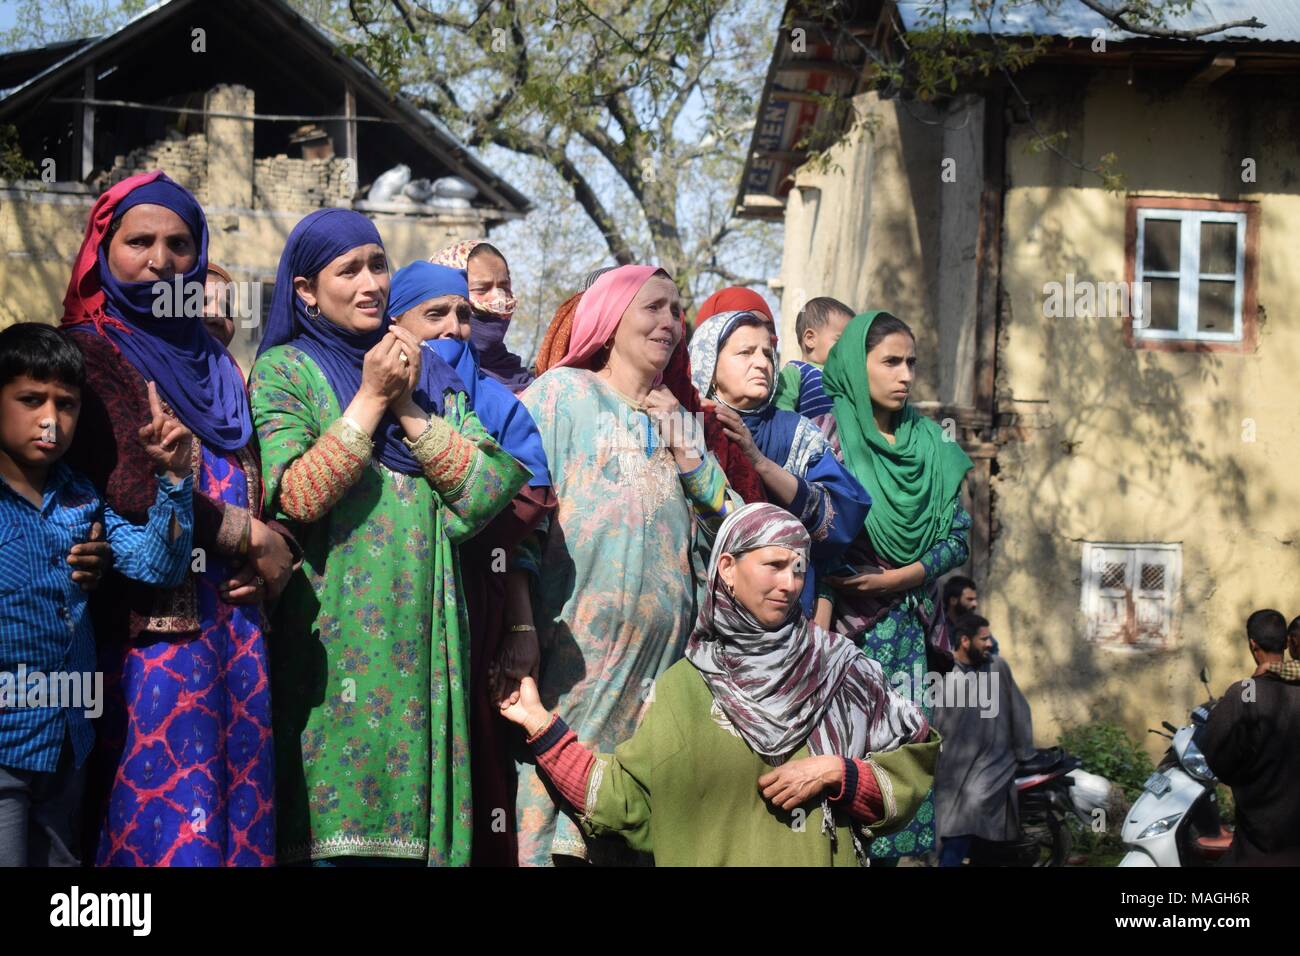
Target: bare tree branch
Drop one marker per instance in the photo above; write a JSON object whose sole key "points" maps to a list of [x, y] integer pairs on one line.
{"points": [[405, 15], [1121, 19], [729, 277], [427, 15]]}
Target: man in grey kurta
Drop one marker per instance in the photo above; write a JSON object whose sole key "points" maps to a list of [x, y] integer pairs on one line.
{"points": [[987, 730]]}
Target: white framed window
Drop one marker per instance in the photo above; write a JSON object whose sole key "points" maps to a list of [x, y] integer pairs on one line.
{"points": [[1191, 265], [1130, 593]]}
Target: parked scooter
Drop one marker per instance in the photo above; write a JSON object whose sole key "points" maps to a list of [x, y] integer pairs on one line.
{"points": [[1175, 821]]}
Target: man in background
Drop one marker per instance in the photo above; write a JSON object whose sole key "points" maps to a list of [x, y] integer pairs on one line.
{"points": [[1252, 744]]}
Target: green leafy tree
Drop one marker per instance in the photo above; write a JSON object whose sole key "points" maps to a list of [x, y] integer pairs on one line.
{"points": [[642, 108]]}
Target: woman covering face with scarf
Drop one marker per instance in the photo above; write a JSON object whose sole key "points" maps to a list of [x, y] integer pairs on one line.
{"points": [[186, 732], [733, 366], [613, 572], [916, 530], [373, 452], [493, 302], [431, 300], [774, 743]]}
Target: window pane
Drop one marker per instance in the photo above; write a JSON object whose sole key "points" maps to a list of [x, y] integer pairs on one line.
{"points": [[1160, 251], [1219, 248], [1215, 308], [1162, 310]]}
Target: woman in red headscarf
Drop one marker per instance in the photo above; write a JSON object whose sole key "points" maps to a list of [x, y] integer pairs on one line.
{"points": [[614, 571]]}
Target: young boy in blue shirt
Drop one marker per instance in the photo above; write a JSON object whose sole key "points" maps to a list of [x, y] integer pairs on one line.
{"points": [[49, 688]]}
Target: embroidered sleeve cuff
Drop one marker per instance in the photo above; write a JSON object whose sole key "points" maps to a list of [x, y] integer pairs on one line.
{"points": [[234, 531], [324, 472], [445, 456], [352, 437]]}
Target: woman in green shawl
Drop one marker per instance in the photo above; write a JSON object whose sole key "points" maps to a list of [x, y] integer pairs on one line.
{"points": [[916, 530]]}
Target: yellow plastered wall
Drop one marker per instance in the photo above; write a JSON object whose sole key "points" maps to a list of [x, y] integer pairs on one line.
{"points": [[1128, 445]]}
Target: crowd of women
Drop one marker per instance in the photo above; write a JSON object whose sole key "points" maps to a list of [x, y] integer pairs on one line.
{"points": [[416, 544]]}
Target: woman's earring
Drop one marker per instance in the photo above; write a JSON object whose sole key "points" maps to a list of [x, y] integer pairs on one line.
{"points": [[311, 314], [609, 346]]}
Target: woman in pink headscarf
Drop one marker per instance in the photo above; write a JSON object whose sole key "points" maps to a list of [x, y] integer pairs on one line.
{"points": [[609, 581]]}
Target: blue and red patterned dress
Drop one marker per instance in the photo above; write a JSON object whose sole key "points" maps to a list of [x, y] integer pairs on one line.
{"points": [[182, 773], [195, 779]]}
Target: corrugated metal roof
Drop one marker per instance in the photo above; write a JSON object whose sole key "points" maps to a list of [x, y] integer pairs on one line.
{"points": [[1281, 19]]}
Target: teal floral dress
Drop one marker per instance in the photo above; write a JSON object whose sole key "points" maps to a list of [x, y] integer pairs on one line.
{"points": [[897, 642]]}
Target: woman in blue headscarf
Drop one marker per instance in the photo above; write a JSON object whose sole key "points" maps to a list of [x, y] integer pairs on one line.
{"points": [[182, 774], [432, 302], [372, 452], [733, 365]]}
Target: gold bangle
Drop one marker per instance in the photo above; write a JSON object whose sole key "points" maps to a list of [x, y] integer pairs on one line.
{"points": [[521, 628]]}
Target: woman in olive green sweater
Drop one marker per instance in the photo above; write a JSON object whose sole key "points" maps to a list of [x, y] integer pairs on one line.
{"points": [[772, 743]]}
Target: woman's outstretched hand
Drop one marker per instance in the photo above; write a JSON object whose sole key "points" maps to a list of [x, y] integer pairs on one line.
{"points": [[524, 707], [795, 783]]}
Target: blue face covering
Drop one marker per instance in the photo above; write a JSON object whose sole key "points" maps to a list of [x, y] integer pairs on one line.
{"points": [[502, 414], [315, 242], [193, 372]]}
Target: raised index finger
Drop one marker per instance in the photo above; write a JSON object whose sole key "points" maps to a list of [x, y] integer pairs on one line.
{"points": [[155, 406]]}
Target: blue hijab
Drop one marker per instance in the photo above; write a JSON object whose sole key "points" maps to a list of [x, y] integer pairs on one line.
{"points": [[422, 281], [501, 413], [193, 372], [314, 243]]}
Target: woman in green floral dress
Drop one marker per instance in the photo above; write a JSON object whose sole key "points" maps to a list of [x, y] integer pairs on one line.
{"points": [[371, 449], [916, 529]]}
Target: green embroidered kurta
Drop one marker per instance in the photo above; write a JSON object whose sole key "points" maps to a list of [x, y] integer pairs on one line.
{"points": [[370, 646], [685, 788]]}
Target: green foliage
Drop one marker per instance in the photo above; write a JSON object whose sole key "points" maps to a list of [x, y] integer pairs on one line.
{"points": [[13, 164], [1107, 750]]}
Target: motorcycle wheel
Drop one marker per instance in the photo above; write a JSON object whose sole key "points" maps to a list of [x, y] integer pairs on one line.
{"points": [[1048, 840]]}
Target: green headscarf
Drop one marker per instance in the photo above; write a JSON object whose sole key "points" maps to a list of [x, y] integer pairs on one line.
{"points": [[913, 482]]}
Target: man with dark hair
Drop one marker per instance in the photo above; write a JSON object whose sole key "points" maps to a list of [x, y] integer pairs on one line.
{"points": [[1252, 744], [960, 596], [987, 731]]}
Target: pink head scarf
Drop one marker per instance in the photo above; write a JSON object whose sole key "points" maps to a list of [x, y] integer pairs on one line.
{"points": [[600, 310]]}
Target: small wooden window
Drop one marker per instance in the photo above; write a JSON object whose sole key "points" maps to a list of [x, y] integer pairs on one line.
{"points": [[1130, 594], [1192, 265]]}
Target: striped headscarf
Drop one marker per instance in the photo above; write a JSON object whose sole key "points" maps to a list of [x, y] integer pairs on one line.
{"points": [[781, 688]]}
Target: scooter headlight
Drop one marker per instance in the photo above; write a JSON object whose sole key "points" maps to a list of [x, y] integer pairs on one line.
{"points": [[1163, 825], [1194, 762]]}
